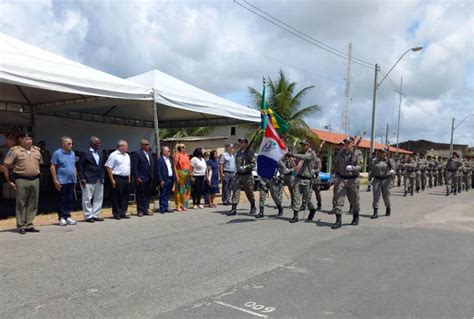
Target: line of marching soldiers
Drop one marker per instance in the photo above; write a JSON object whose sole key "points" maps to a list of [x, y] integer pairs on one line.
{"points": [[300, 173], [420, 172]]}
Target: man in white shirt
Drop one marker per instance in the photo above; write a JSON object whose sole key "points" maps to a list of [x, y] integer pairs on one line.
{"points": [[118, 172]]}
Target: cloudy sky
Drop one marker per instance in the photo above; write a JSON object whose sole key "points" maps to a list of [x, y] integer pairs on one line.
{"points": [[223, 48]]}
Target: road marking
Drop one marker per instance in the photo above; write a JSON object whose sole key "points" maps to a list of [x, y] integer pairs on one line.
{"points": [[240, 309]]}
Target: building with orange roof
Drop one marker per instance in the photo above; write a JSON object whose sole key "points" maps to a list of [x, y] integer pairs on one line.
{"points": [[334, 141]]}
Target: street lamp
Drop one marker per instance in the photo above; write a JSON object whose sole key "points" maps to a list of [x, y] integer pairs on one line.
{"points": [[374, 97], [452, 133]]}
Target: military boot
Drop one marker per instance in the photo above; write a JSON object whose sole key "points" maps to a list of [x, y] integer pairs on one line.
{"points": [[295, 217], [280, 210], [355, 219], [338, 222], [376, 214], [233, 211], [405, 194], [447, 193], [319, 206], [260, 214], [388, 211], [312, 212], [253, 209], [303, 207], [411, 192]]}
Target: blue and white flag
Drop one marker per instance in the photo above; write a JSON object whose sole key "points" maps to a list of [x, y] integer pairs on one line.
{"points": [[271, 151]]}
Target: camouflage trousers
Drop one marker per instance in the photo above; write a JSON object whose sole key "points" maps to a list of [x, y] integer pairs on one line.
{"points": [[381, 188], [247, 183], [301, 194], [275, 186], [451, 181], [343, 188]]}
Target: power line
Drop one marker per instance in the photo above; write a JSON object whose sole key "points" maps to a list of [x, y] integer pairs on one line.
{"points": [[252, 52], [304, 38], [305, 34]]}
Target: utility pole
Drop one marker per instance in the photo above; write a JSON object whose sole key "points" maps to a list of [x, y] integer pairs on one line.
{"points": [[399, 112], [345, 122], [374, 97], [451, 143], [386, 136]]}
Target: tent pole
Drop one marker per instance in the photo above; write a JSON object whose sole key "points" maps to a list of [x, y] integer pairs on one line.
{"points": [[155, 124]]}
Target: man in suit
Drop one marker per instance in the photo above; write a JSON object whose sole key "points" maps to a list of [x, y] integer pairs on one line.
{"points": [[142, 166], [91, 173], [165, 177]]}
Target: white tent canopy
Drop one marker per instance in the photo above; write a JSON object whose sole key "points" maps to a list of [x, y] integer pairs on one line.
{"points": [[32, 76], [182, 102], [38, 82]]}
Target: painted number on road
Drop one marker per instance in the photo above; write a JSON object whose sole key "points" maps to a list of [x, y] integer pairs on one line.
{"points": [[257, 307]]}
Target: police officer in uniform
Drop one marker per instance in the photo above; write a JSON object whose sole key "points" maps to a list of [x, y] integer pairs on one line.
{"points": [[383, 168], [435, 171], [452, 168], [245, 162], [410, 167], [305, 160], [275, 186], [318, 166], [429, 171], [467, 172], [347, 166], [25, 160], [289, 176], [398, 170], [441, 168]]}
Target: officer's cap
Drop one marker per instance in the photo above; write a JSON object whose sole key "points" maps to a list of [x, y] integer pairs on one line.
{"points": [[304, 142], [243, 140], [24, 135], [348, 139]]}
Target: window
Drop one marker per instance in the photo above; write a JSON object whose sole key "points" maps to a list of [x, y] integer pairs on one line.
{"points": [[232, 131]]}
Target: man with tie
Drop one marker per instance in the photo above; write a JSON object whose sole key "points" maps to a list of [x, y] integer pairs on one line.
{"points": [[164, 175], [91, 171], [142, 164]]}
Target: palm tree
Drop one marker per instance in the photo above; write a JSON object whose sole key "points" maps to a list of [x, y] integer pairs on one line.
{"points": [[288, 104]]}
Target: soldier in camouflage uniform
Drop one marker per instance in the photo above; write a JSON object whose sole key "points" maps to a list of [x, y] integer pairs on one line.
{"points": [[429, 170], [275, 186], [347, 166], [471, 162], [410, 167], [302, 185], [383, 168], [459, 175], [245, 162], [289, 177], [422, 176], [452, 168], [318, 166], [467, 175], [398, 170], [441, 168], [435, 171]]}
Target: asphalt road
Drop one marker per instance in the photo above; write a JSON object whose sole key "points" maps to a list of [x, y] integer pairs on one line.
{"points": [[417, 263]]}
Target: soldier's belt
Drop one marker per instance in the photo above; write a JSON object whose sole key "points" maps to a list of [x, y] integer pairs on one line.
{"points": [[30, 178], [345, 177], [244, 174], [381, 177], [452, 170], [303, 177]]}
